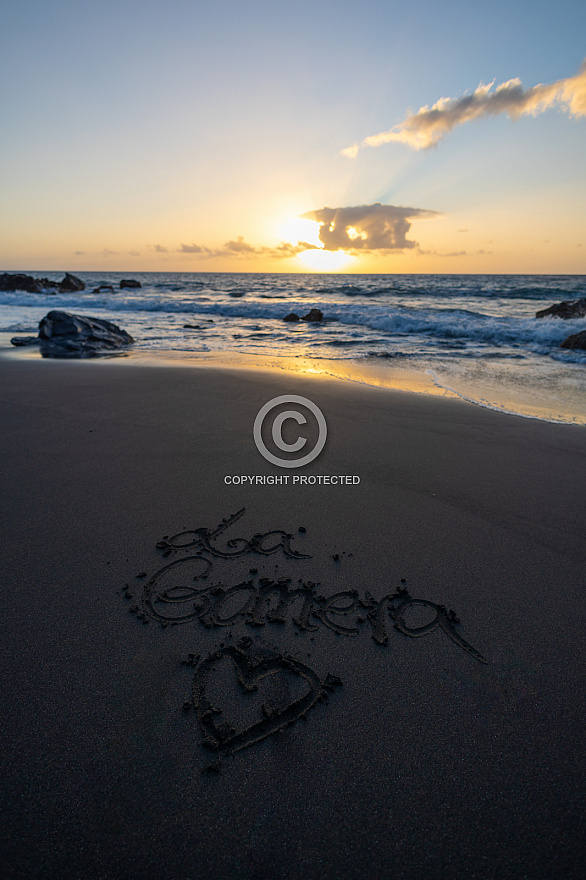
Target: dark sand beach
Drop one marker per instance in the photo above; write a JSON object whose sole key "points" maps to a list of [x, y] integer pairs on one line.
{"points": [[382, 740]]}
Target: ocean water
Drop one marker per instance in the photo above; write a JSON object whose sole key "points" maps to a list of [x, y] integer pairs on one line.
{"points": [[472, 335]]}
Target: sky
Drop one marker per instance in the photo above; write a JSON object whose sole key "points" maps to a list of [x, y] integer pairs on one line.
{"points": [[378, 136]]}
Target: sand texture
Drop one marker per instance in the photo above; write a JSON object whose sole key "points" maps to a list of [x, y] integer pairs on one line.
{"points": [[379, 679]]}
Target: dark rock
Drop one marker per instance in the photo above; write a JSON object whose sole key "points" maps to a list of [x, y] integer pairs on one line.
{"points": [[18, 281], [191, 327], [130, 282], [292, 317], [313, 315], [70, 283], [577, 340], [40, 285], [24, 340], [63, 335], [567, 310]]}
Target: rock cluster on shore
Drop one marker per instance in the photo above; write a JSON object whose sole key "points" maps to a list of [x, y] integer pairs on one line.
{"points": [[18, 281], [62, 335], [11, 282]]}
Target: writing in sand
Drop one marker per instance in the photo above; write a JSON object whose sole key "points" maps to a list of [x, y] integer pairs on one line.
{"points": [[179, 593]]}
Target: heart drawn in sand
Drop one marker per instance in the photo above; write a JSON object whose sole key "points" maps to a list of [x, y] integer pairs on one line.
{"points": [[251, 669]]}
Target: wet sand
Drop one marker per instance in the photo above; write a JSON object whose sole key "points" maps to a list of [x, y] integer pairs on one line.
{"points": [[437, 733]]}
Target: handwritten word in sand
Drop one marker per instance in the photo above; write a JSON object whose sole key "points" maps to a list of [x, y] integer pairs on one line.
{"points": [[201, 539], [180, 593]]}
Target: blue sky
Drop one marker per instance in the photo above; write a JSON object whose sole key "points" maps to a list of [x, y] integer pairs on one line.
{"points": [[130, 129]]}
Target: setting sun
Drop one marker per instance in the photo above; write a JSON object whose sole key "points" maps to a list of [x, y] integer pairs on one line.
{"points": [[321, 260], [299, 230]]}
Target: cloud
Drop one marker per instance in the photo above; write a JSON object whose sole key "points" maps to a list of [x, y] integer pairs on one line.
{"points": [[430, 125], [192, 249], [366, 227], [287, 249], [284, 249], [350, 152], [433, 253], [238, 247], [361, 229]]}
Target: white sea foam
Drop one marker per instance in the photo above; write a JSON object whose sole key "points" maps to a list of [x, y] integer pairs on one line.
{"points": [[449, 323]]}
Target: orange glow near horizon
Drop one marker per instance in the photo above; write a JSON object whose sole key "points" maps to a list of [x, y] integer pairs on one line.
{"points": [[321, 260]]}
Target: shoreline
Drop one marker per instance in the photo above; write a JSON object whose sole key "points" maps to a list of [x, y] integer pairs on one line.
{"points": [[343, 370], [477, 339]]}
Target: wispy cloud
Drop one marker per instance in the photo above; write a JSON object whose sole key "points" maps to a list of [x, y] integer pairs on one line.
{"points": [[367, 227], [284, 249], [238, 247], [434, 253], [430, 125], [350, 152], [192, 249]]}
